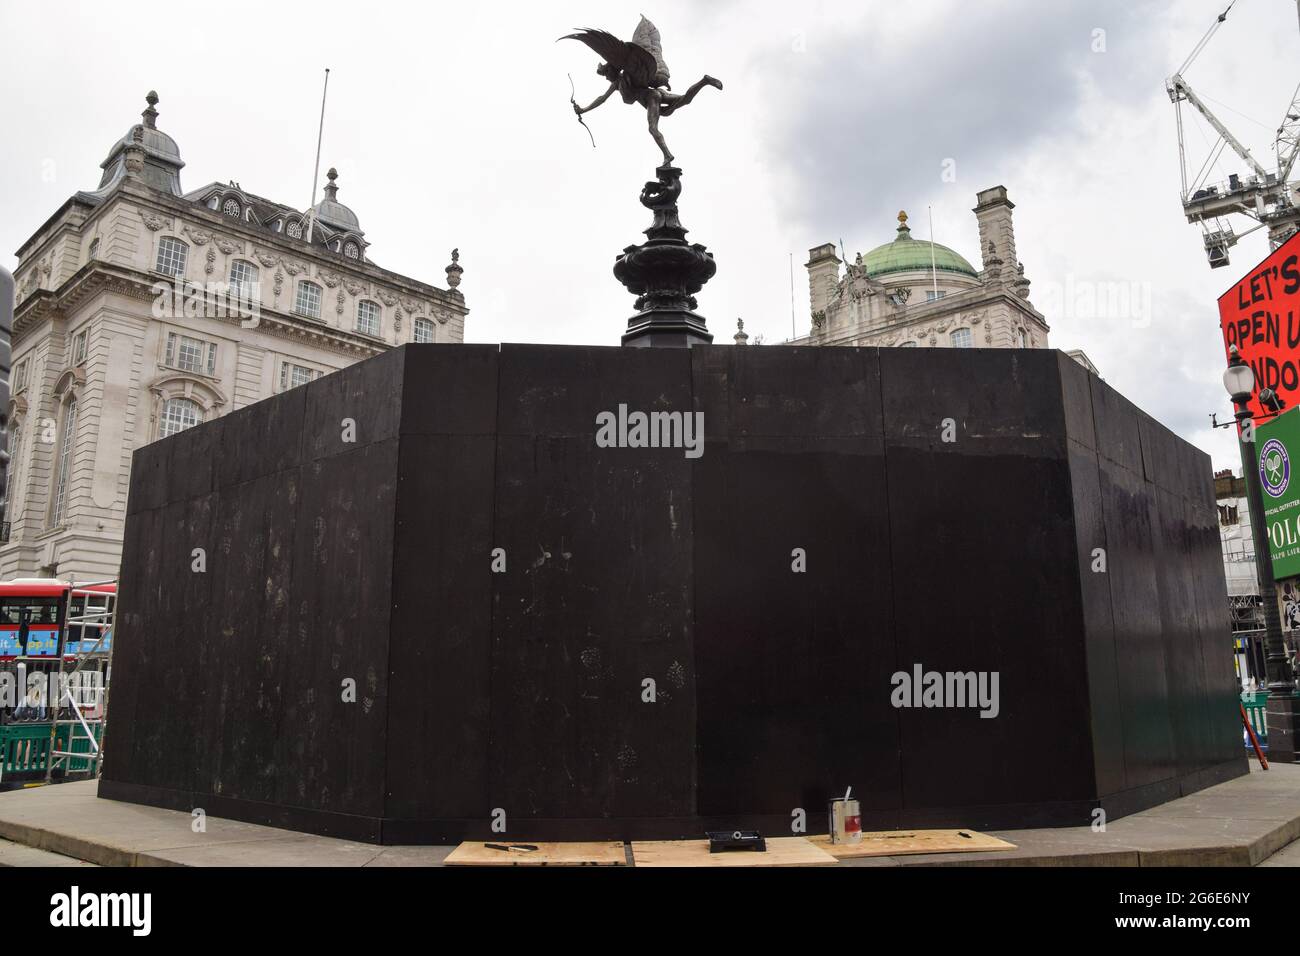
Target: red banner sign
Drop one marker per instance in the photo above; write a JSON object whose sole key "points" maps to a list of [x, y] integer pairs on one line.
{"points": [[1261, 316]]}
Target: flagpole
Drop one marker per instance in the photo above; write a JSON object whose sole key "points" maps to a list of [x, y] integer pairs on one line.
{"points": [[934, 269], [793, 334], [315, 176]]}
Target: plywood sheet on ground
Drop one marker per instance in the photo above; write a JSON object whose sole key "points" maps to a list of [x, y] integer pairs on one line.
{"points": [[547, 854], [906, 842], [781, 851]]}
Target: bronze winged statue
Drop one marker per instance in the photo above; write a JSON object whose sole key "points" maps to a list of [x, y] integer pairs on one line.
{"points": [[636, 69]]}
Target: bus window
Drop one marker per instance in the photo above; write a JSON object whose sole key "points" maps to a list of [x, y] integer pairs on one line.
{"points": [[16, 611], [94, 609]]}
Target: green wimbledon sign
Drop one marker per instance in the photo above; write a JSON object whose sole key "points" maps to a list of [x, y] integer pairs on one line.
{"points": [[1278, 446]]}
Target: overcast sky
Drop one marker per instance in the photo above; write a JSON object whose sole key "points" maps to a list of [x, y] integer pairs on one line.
{"points": [[450, 125]]}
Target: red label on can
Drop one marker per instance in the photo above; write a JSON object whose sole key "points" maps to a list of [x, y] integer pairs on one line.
{"points": [[852, 824]]}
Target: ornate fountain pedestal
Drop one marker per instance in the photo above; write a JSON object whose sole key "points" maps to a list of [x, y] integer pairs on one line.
{"points": [[665, 272]]}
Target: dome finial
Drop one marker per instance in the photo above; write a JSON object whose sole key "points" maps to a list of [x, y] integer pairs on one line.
{"points": [[331, 188], [150, 114], [903, 231], [741, 337]]}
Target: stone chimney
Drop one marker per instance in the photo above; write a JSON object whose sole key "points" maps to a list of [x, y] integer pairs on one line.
{"points": [[997, 235], [823, 267]]}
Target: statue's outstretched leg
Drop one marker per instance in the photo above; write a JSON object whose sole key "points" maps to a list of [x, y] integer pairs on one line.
{"points": [[674, 101], [652, 112]]}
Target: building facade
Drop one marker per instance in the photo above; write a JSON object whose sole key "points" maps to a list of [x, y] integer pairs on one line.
{"points": [[911, 292], [143, 310], [1245, 608], [1235, 535]]}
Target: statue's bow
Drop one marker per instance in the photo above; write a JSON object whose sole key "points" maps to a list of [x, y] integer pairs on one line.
{"points": [[573, 98]]}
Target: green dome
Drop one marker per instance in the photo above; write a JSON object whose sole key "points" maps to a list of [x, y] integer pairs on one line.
{"points": [[906, 254]]}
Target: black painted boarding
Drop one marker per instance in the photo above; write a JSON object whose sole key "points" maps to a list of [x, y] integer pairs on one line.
{"points": [[524, 691]]}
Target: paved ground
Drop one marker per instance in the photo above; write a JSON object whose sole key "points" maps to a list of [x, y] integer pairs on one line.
{"points": [[1245, 822]]}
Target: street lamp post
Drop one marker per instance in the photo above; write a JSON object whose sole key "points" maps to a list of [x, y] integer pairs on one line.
{"points": [[1281, 712]]}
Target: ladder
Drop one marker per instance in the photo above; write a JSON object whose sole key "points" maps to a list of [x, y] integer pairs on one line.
{"points": [[101, 619]]}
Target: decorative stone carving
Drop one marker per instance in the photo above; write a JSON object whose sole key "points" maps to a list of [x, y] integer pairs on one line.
{"points": [[412, 307], [356, 288], [133, 157], [331, 279], [1022, 284], [266, 258], [227, 246], [386, 297], [293, 267], [454, 270], [211, 259], [154, 222], [341, 297], [198, 236]]}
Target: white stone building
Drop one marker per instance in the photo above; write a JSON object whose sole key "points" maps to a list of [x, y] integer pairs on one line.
{"points": [[1235, 535], [106, 358], [910, 292]]}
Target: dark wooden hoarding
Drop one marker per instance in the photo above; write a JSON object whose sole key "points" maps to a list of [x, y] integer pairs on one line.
{"points": [[573, 639]]}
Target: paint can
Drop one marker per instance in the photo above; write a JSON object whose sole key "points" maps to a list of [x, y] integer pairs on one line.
{"points": [[846, 819]]}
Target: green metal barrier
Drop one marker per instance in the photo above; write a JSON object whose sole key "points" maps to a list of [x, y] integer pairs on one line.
{"points": [[1254, 704], [25, 748]]}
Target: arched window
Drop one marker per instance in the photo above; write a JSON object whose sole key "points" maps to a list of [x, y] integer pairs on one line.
{"points": [[172, 254], [961, 338], [178, 414], [368, 317], [294, 229], [308, 301], [64, 469], [908, 345], [231, 208], [352, 250], [422, 329], [1022, 339]]}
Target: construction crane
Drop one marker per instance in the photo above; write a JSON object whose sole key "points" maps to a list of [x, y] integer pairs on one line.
{"points": [[1264, 196]]}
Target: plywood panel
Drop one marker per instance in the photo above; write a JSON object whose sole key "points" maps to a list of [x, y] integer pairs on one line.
{"points": [[793, 664], [598, 597], [339, 606], [781, 851], [964, 603], [547, 854], [1128, 503], [441, 639], [910, 842]]}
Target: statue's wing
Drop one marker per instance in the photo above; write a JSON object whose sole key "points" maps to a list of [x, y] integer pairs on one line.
{"points": [[647, 38], [636, 61]]}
